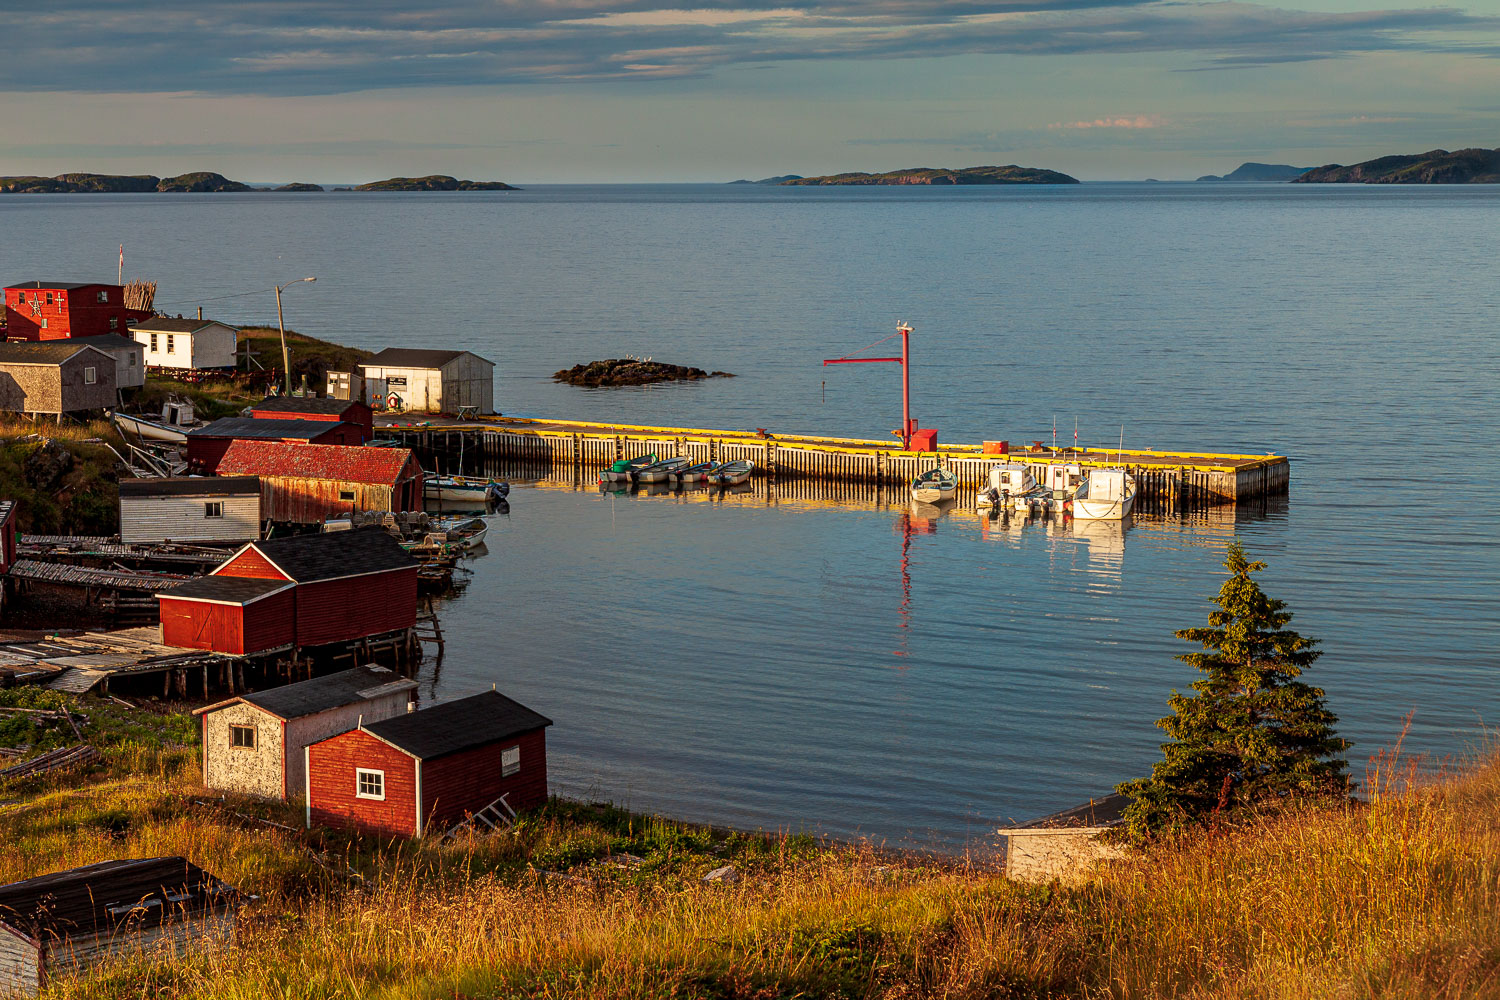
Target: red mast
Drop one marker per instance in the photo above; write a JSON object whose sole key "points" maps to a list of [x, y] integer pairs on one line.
{"points": [[908, 425]]}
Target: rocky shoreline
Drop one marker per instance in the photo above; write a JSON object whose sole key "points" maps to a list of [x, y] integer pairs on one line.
{"points": [[631, 371]]}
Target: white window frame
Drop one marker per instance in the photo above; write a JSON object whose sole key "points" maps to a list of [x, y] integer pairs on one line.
{"points": [[361, 772], [213, 508], [90, 376], [254, 736], [510, 761], [171, 343], [153, 343], [102, 297]]}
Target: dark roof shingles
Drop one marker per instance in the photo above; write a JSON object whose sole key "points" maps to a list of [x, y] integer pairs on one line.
{"points": [[232, 589], [458, 725], [190, 486], [410, 357], [256, 427], [347, 687], [79, 899], [308, 558], [302, 404]]}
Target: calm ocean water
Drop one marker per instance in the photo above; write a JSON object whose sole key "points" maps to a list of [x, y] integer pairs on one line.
{"points": [[787, 661]]}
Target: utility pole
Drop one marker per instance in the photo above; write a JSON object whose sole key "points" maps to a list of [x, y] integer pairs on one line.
{"points": [[286, 359], [903, 330]]}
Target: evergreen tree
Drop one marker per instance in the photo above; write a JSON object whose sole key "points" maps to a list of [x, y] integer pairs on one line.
{"points": [[1250, 732]]}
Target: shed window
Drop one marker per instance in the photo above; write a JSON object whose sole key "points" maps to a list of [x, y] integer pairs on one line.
{"points": [[170, 340], [153, 343], [49, 298], [242, 737], [214, 508], [102, 297], [131, 355], [90, 376], [346, 495], [114, 322], [44, 322], [510, 761], [369, 784]]}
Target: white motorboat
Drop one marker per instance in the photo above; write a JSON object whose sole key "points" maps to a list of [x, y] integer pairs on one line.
{"points": [[1104, 495], [177, 418], [1006, 483], [732, 473], [1060, 482], [474, 488]]}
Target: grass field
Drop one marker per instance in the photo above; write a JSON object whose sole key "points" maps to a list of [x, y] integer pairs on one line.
{"points": [[1398, 897]]}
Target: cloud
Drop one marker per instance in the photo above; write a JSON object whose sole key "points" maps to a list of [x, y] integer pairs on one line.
{"points": [[336, 46], [1126, 121]]}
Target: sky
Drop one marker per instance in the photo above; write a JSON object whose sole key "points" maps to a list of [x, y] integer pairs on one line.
{"points": [[599, 91]]}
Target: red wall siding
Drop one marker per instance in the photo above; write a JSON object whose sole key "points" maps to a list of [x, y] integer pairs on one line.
{"points": [[462, 783], [270, 622], [252, 564], [355, 413], [205, 453], [335, 610], [201, 625], [8, 543], [72, 313], [330, 785]]}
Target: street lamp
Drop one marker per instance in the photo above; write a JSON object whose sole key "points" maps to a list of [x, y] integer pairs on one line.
{"points": [[286, 361]]}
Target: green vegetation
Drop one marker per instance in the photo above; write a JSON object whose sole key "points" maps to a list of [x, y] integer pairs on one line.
{"points": [[61, 476], [310, 356], [118, 184], [1464, 166], [927, 175], [1259, 173], [1250, 734], [433, 182]]}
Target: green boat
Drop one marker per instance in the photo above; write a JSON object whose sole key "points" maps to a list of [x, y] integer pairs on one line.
{"points": [[625, 469]]}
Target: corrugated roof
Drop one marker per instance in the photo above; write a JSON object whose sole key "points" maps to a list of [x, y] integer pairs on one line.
{"points": [[1105, 811], [191, 486], [255, 427], [347, 687], [303, 404], [225, 589], [410, 357], [133, 893], [66, 286], [106, 341], [165, 324], [42, 352], [335, 554], [7, 508], [458, 725], [339, 463]]}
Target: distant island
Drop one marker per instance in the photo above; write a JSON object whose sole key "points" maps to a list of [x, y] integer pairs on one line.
{"points": [[199, 181], [1259, 173], [772, 180], [434, 182], [1465, 166], [299, 187], [928, 175]]}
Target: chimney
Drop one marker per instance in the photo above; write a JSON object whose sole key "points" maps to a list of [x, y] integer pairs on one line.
{"points": [[200, 312]]}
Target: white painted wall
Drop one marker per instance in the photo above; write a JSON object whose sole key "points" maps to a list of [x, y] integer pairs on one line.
{"points": [[213, 346], [183, 519]]}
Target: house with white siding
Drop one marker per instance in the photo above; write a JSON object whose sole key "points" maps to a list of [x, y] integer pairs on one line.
{"points": [[193, 509], [186, 343], [255, 743], [417, 380], [130, 365]]}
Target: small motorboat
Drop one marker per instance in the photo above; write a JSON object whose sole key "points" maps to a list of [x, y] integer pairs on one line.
{"points": [[1060, 482], [625, 469], [177, 418], [732, 473], [1105, 495], [660, 472], [474, 488], [695, 473], [934, 486], [452, 535]]}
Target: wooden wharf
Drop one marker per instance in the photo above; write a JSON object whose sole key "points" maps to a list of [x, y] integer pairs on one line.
{"points": [[1176, 477]]}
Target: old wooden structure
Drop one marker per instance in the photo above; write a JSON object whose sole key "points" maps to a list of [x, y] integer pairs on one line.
{"points": [[301, 591], [186, 344], [310, 483], [481, 756], [1064, 845], [255, 743], [56, 310], [197, 509], [206, 445], [55, 377], [67, 922], [349, 411], [130, 369], [417, 380]]}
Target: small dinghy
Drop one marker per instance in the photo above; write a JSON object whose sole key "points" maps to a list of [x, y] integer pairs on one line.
{"points": [[934, 486], [659, 472], [451, 535], [732, 473], [625, 469], [474, 488], [1106, 495], [695, 473]]}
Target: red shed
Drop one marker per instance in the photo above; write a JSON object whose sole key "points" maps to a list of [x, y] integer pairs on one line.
{"points": [[350, 411], [305, 590], [206, 445], [7, 535], [309, 483], [427, 769], [55, 310]]}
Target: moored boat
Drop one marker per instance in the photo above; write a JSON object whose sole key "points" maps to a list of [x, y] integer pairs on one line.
{"points": [[660, 471], [478, 488], [460, 535], [1007, 482], [1060, 482], [732, 473], [625, 469], [934, 486], [695, 473], [1104, 495]]}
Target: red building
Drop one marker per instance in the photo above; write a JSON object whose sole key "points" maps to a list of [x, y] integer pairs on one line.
{"points": [[350, 411], [304, 590], [7, 535], [309, 483], [206, 445], [55, 310], [425, 770]]}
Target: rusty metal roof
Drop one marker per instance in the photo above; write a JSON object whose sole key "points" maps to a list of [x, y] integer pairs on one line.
{"points": [[337, 462]]}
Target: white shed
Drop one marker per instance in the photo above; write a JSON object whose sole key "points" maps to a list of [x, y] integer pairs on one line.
{"points": [[186, 343], [1066, 845], [130, 369], [429, 381], [190, 509], [255, 743]]}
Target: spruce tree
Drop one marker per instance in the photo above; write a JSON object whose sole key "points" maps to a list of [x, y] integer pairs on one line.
{"points": [[1250, 732]]}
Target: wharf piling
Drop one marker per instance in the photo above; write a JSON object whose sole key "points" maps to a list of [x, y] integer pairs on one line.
{"points": [[1176, 477]]}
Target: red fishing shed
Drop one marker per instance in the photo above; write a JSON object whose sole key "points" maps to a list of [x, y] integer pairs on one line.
{"points": [[56, 310], [350, 411], [304, 590], [484, 755], [309, 483], [206, 445]]}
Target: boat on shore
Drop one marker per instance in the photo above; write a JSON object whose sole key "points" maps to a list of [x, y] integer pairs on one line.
{"points": [[473, 488], [171, 427], [732, 473], [1104, 495], [624, 470], [658, 472], [451, 536], [934, 486]]}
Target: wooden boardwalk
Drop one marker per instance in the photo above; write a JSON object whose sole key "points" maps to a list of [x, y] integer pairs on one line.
{"points": [[1172, 476]]}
